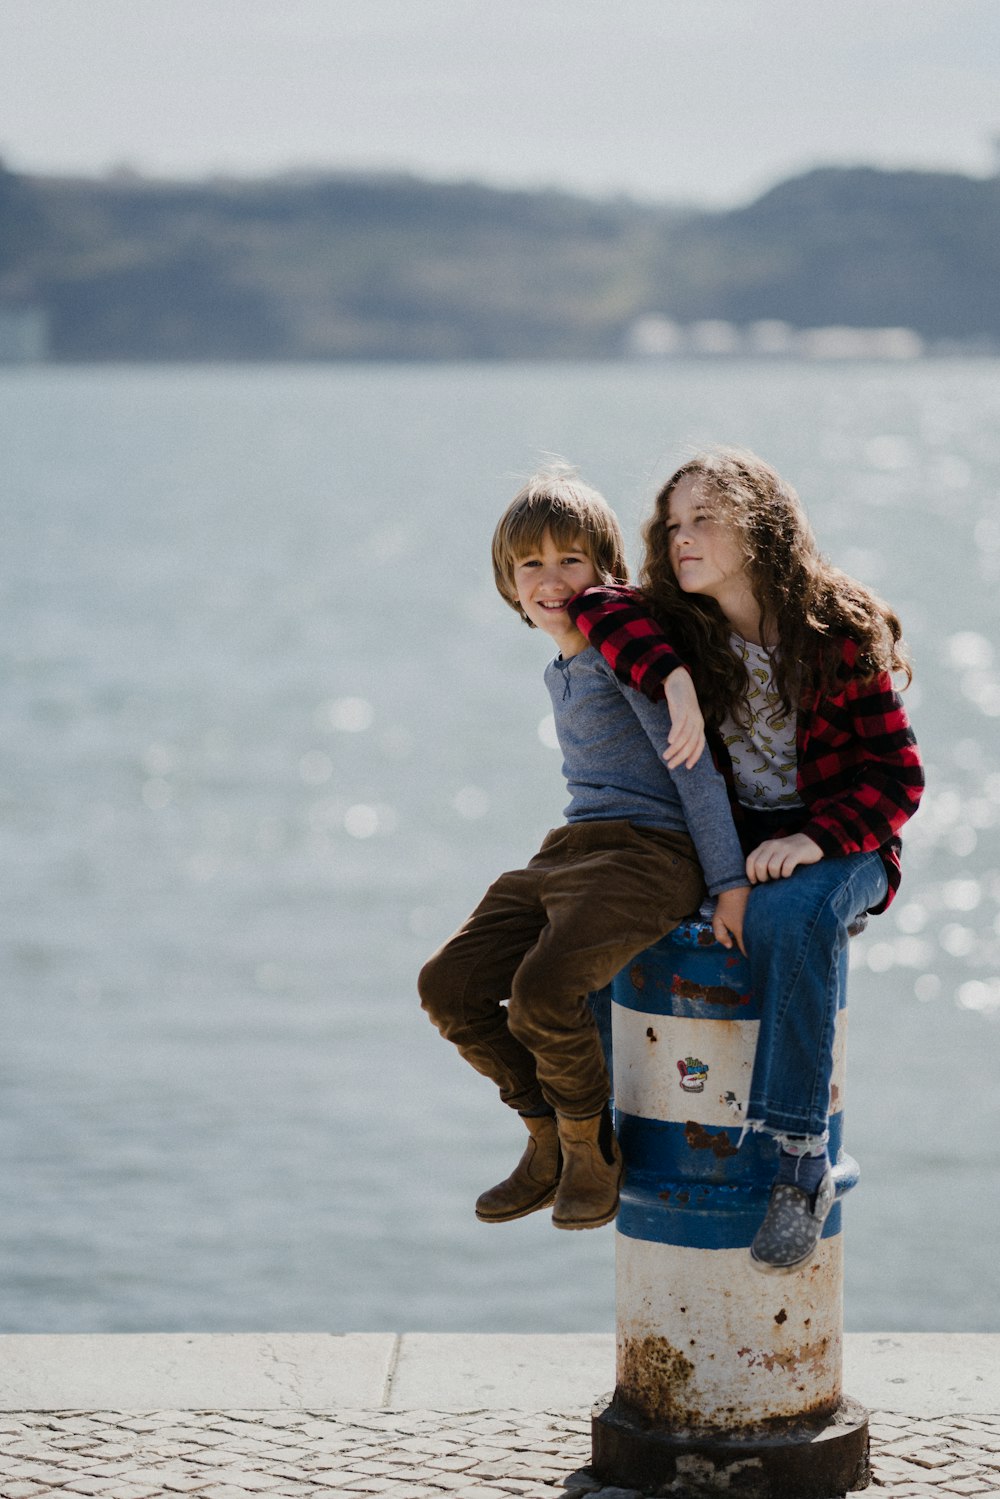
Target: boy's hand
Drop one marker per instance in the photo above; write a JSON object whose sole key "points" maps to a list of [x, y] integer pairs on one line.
{"points": [[777, 857], [727, 919], [686, 739]]}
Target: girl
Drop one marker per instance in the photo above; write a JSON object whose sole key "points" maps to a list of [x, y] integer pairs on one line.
{"points": [[792, 662]]}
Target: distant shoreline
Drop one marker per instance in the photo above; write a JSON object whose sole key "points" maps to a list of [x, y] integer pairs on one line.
{"points": [[837, 263]]}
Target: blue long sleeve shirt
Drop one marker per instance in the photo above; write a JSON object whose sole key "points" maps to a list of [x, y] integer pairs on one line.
{"points": [[612, 739]]}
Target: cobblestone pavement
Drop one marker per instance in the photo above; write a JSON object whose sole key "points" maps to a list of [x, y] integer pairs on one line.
{"points": [[405, 1455]]}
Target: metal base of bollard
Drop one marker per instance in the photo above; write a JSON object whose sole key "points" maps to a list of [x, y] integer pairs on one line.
{"points": [[825, 1460]]}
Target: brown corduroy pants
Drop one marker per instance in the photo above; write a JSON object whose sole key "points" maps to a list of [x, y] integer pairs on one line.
{"points": [[510, 988]]}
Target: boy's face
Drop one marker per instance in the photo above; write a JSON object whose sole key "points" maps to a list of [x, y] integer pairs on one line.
{"points": [[546, 579]]}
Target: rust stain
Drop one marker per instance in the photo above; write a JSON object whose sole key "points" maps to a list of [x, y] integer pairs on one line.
{"points": [[665, 1196], [706, 937], [808, 1358], [651, 1033], [637, 977], [781, 1316], [709, 994], [653, 1376], [834, 1097], [699, 1138]]}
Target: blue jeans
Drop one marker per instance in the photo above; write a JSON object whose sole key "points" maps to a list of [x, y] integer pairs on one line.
{"points": [[795, 933]]}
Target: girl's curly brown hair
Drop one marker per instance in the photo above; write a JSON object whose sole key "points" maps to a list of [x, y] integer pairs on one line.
{"points": [[806, 603]]}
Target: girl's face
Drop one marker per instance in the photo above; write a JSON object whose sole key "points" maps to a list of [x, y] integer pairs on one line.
{"points": [[705, 552]]}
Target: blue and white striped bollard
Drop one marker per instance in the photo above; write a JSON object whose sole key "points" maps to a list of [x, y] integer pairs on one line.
{"points": [[727, 1380]]}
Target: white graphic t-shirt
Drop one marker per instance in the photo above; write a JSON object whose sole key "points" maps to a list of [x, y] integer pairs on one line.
{"points": [[763, 753]]}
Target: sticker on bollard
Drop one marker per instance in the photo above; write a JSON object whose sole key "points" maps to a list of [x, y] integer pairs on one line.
{"points": [[727, 1381]]}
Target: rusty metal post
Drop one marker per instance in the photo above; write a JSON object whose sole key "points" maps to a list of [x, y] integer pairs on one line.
{"points": [[728, 1381]]}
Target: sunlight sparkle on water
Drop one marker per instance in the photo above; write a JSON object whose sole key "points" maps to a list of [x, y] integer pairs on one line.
{"points": [[949, 471], [911, 917], [963, 841], [547, 732], [158, 760], [348, 715], [986, 534], [957, 940], [961, 895], [904, 952], [969, 650], [980, 994], [364, 821], [471, 802], [157, 794]]}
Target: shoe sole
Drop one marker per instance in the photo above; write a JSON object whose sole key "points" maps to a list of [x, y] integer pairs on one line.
{"points": [[534, 1207], [586, 1223], [763, 1268], [571, 1223]]}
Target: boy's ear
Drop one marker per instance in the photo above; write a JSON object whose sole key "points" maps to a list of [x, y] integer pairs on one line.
{"points": [[510, 597], [508, 592]]}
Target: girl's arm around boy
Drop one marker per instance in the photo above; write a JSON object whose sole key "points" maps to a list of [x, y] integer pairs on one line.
{"points": [[704, 804]]}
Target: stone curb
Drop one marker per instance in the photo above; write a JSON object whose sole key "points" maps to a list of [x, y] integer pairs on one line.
{"points": [[918, 1374]]}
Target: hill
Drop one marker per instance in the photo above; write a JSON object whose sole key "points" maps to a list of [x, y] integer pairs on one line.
{"points": [[351, 266], [857, 247]]}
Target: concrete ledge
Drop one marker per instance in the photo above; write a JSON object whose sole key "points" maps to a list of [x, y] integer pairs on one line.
{"points": [[475, 1371], [922, 1375], [197, 1371]]}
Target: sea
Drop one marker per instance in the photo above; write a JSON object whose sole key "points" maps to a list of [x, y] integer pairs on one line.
{"points": [[267, 732]]}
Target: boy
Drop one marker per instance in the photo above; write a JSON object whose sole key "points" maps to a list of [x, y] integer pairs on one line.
{"points": [[510, 988]]}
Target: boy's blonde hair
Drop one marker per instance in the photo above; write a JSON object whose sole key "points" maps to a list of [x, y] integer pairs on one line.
{"points": [[557, 501]]}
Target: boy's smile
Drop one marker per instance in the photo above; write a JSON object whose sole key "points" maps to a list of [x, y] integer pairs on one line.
{"points": [[546, 579]]}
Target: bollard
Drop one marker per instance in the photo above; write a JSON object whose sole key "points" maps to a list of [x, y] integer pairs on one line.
{"points": [[727, 1380]]}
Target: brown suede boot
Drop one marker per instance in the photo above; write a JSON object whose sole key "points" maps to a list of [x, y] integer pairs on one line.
{"points": [[533, 1181], [591, 1174]]}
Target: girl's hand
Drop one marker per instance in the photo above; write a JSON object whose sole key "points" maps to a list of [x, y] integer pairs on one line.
{"points": [[686, 739], [727, 919], [777, 857]]}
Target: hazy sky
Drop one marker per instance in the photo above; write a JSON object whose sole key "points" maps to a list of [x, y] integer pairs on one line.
{"points": [[697, 100]]}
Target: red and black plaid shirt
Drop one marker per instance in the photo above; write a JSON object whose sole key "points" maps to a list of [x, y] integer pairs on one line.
{"points": [[859, 772]]}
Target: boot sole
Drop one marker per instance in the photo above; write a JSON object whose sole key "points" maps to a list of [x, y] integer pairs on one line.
{"points": [[570, 1223], [524, 1212], [588, 1223]]}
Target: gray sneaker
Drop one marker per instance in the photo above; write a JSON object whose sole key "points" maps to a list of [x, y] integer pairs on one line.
{"points": [[792, 1227]]}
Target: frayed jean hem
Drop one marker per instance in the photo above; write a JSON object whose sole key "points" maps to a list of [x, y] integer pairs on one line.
{"points": [[792, 1142]]}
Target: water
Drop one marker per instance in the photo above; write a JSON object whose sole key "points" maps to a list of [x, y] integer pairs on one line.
{"points": [[267, 733]]}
